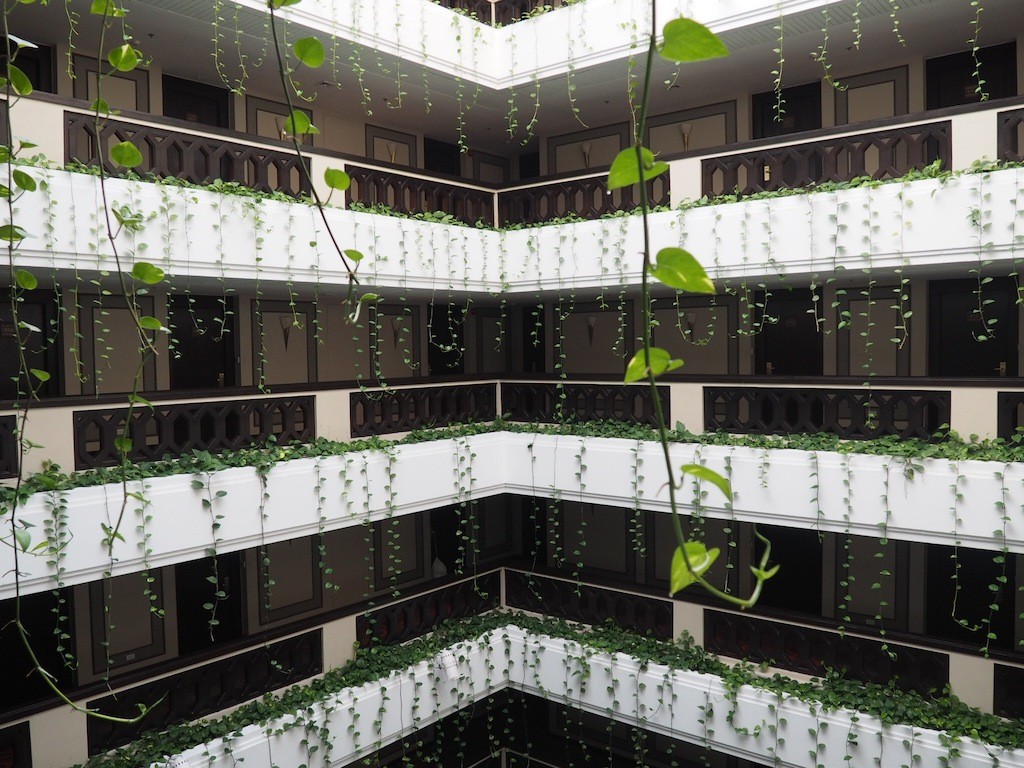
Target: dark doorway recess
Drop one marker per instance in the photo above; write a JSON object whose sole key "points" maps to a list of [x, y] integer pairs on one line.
{"points": [[196, 590], [788, 342], [196, 102], [802, 111], [529, 166], [444, 352], [533, 339], [38, 335], [19, 685], [442, 157], [972, 328], [950, 80], [797, 585], [975, 572], [205, 354]]}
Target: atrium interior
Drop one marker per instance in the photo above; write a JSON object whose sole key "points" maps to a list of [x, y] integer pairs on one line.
{"points": [[316, 328]]}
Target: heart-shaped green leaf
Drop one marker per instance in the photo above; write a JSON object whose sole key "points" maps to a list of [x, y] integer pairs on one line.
{"points": [[625, 170], [148, 323], [687, 40], [353, 255], [23, 181], [147, 273], [126, 155], [19, 81], [24, 538], [679, 269], [703, 473], [309, 51], [123, 58], [337, 179], [39, 373], [298, 124], [26, 280], [656, 360], [12, 233], [700, 558], [106, 8]]}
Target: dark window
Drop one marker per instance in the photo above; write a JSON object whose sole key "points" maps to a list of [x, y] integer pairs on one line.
{"points": [[442, 157], [962, 586], [196, 102], [950, 80], [801, 111]]}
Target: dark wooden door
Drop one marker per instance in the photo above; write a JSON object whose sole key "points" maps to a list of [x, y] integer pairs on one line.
{"points": [[972, 572], [950, 80], [37, 317], [197, 603], [797, 585], [445, 353], [196, 102], [533, 339], [802, 111], [787, 342], [972, 329], [442, 157], [205, 354]]}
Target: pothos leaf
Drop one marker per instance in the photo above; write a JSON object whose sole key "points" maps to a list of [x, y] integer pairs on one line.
{"points": [[123, 58], [147, 273], [679, 269], [688, 40], [700, 558], [625, 171], [309, 51], [299, 124], [19, 81], [337, 179], [654, 359], [24, 538], [26, 280], [704, 473], [126, 155]]}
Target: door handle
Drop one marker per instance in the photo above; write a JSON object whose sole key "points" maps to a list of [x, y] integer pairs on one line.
{"points": [[769, 369], [1001, 369]]}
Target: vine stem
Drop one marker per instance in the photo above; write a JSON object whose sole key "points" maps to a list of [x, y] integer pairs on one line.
{"points": [[647, 338], [303, 168]]}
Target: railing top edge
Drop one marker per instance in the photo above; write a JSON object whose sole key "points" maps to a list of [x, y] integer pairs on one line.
{"points": [[850, 129], [907, 383], [415, 173]]}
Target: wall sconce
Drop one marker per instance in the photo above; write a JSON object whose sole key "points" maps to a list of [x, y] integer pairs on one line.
{"points": [[591, 324], [392, 151], [396, 329], [585, 149], [684, 132], [279, 124], [689, 322], [286, 328]]}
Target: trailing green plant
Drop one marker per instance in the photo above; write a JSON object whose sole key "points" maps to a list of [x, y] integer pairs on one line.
{"points": [[684, 40], [889, 704]]}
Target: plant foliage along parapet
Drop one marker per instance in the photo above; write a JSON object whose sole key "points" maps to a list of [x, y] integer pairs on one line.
{"points": [[950, 447], [888, 704]]}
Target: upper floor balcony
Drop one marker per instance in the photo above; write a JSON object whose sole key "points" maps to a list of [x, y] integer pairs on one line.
{"points": [[922, 224]]}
